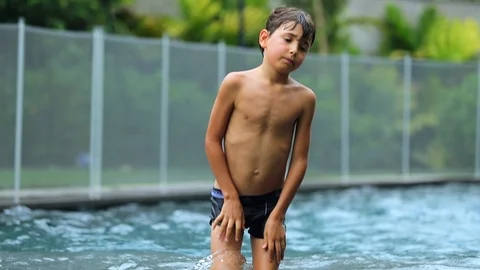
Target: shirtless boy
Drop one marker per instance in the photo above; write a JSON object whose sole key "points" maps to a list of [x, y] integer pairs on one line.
{"points": [[255, 114]]}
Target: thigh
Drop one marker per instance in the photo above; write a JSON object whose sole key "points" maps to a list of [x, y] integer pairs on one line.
{"points": [[226, 254], [261, 259]]}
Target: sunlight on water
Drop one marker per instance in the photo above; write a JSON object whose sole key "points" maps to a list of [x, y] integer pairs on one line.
{"points": [[427, 227]]}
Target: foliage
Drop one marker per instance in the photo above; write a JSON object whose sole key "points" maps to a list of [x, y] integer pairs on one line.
{"points": [[210, 21], [199, 21], [452, 40], [433, 37], [254, 22], [140, 25], [375, 112], [443, 115], [61, 14], [213, 20], [332, 35], [56, 125], [399, 36], [234, 4], [80, 15], [443, 109]]}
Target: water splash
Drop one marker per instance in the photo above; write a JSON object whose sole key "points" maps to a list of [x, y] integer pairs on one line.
{"points": [[355, 228], [223, 256]]}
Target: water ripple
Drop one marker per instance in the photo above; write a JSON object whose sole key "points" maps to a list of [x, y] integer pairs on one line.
{"points": [[425, 227]]}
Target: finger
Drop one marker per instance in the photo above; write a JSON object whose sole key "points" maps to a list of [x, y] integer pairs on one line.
{"points": [[278, 251], [284, 246], [229, 229], [239, 228], [271, 250], [217, 221], [265, 242], [217, 227], [223, 228]]}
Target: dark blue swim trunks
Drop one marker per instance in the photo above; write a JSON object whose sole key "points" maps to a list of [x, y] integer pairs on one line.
{"points": [[256, 209]]}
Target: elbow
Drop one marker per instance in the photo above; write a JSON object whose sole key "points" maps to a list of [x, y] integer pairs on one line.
{"points": [[211, 144], [208, 145]]}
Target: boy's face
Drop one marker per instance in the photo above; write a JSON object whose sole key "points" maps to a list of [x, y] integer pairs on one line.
{"points": [[284, 48]]}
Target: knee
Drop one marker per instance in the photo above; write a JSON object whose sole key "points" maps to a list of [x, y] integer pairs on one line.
{"points": [[228, 259]]}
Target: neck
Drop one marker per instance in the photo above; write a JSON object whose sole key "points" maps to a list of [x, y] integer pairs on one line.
{"points": [[273, 76]]}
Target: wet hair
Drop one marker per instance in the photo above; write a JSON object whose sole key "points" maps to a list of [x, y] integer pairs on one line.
{"points": [[286, 15]]}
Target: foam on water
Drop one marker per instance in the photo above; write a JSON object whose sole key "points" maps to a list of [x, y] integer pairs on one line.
{"points": [[428, 227]]}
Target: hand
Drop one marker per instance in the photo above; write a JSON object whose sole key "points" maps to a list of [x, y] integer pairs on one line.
{"points": [[274, 239], [231, 218]]}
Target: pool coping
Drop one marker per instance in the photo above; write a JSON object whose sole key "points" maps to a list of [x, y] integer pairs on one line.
{"points": [[81, 197]]}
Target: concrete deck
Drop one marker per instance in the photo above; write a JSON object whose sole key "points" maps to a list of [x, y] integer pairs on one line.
{"points": [[75, 198]]}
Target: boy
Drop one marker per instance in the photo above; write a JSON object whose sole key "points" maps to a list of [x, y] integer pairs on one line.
{"points": [[256, 112]]}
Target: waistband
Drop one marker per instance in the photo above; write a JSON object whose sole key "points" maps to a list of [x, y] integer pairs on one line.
{"points": [[217, 193]]}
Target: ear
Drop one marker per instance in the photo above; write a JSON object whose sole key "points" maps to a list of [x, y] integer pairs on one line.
{"points": [[263, 37]]}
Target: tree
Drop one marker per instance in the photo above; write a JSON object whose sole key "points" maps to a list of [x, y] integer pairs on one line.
{"points": [[213, 20], [330, 26], [81, 15]]}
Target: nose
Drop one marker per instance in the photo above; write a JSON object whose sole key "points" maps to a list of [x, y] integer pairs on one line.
{"points": [[293, 49]]}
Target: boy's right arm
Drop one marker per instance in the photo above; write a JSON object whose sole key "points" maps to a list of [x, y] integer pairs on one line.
{"points": [[231, 216]]}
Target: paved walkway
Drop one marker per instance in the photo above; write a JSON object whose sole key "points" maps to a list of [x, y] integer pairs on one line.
{"points": [[65, 198]]}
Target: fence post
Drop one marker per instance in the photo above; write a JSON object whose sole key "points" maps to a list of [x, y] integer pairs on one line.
{"points": [[407, 90], [345, 119], [96, 120], [164, 110], [477, 132], [222, 62], [19, 111]]}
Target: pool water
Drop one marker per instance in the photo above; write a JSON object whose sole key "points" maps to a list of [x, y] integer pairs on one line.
{"points": [[422, 227]]}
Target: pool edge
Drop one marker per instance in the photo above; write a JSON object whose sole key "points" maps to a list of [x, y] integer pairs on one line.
{"points": [[81, 198]]}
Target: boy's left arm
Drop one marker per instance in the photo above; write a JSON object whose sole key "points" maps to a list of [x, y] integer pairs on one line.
{"points": [[274, 238], [299, 159]]}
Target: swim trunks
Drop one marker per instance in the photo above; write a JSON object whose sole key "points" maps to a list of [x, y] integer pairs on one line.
{"points": [[256, 209]]}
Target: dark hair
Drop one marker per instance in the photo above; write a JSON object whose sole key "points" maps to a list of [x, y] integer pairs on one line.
{"points": [[282, 15]]}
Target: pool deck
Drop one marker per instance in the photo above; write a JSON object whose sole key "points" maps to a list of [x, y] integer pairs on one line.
{"points": [[81, 197]]}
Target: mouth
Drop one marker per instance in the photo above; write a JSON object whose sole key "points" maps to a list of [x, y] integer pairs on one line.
{"points": [[289, 61]]}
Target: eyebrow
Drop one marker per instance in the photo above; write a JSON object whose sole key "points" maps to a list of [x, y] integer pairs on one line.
{"points": [[303, 41], [293, 35]]}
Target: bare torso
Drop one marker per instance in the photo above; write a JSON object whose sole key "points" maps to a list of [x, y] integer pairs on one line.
{"points": [[259, 135]]}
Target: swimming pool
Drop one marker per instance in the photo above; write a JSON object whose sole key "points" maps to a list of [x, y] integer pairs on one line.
{"points": [[420, 227]]}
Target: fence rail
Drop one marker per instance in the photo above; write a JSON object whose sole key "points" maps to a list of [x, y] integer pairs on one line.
{"points": [[93, 110]]}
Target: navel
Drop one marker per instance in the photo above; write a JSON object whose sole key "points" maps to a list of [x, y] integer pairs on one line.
{"points": [[256, 172], [245, 116]]}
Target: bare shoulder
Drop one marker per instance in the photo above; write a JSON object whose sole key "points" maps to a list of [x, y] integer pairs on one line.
{"points": [[306, 94], [232, 81], [224, 104], [228, 90]]}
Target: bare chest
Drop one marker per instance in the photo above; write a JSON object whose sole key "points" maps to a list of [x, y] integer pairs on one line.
{"points": [[267, 110]]}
